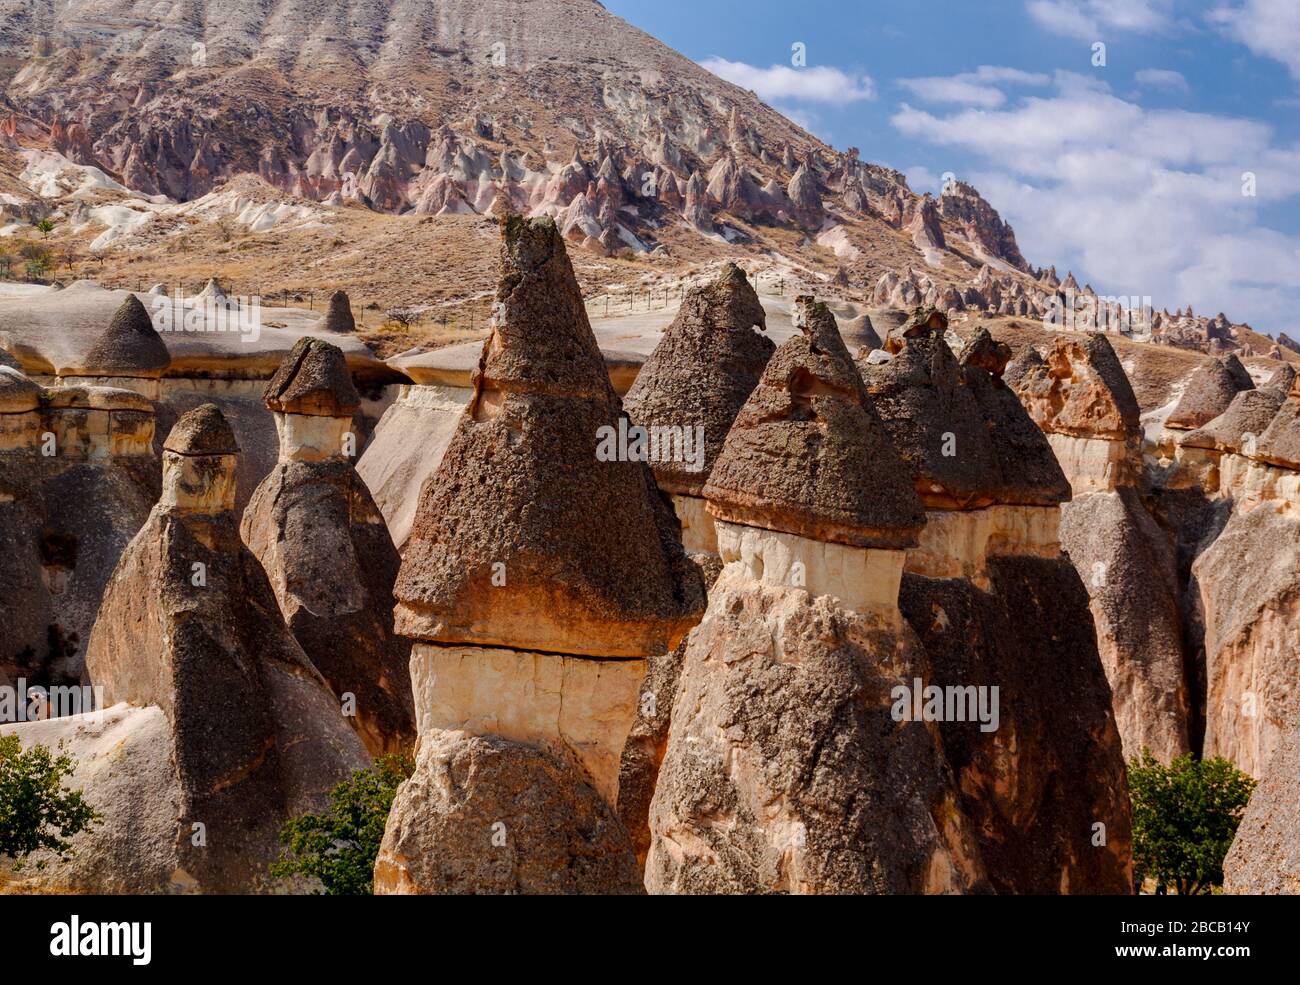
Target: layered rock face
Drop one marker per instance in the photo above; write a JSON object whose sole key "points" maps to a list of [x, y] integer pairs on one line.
{"points": [[997, 605], [77, 479], [201, 352], [786, 770], [322, 541], [221, 729], [537, 580], [1081, 398], [1244, 583]]}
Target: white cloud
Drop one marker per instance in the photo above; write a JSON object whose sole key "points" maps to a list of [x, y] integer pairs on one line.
{"points": [[1267, 27], [1088, 19], [1161, 78], [922, 179], [807, 119], [817, 84], [978, 88], [1135, 200]]}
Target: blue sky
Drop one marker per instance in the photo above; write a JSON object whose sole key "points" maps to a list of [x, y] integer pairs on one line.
{"points": [[1131, 173]]}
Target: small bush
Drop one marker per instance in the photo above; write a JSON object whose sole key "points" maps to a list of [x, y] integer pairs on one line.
{"points": [[339, 847], [1185, 816], [36, 811]]}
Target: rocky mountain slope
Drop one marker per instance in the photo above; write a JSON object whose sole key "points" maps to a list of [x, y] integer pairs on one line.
{"points": [[551, 107]]}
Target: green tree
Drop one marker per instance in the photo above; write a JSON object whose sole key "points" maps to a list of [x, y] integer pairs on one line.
{"points": [[1185, 816], [46, 226], [36, 811], [339, 847]]}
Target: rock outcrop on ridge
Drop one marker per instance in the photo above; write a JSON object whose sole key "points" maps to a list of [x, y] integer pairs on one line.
{"points": [[539, 577], [219, 728], [1081, 397], [997, 605], [786, 770], [322, 541]]}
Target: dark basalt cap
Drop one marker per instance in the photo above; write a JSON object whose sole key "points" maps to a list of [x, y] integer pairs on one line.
{"points": [[702, 371], [963, 432], [1209, 393], [130, 345], [1282, 380], [313, 379], [590, 546], [807, 454], [202, 431], [1250, 412]]}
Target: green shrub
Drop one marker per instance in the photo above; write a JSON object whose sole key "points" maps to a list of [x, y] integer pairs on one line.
{"points": [[339, 847], [36, 811], [1185, 816]]}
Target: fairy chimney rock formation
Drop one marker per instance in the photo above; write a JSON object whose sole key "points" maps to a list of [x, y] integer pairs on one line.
{"points": [[542, 569], [783, 728], [313, 399], [691, 388], [989, 592], [338, 316], [1209, 392], [317, 532], [129, 353], [253, 735], [1081, 397]]}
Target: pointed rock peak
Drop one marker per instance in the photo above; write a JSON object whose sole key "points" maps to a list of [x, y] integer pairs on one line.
{"points": [[1282, 380], [702, 372], [1209, 393], [543, 483], [212, 289], [202, 431], [1238, 372], [313, 379], [541, 338], [338, 316], [860, 333], [1251, 412], [1080, 389], [967, 440], [986, 353], [807, 455], [815, 320], [130, 345]]}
